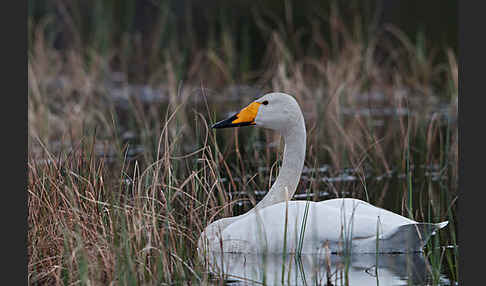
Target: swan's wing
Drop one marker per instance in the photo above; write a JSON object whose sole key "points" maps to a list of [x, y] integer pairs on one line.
{"points": [[409, 237], [364, 214], [312, 225]]}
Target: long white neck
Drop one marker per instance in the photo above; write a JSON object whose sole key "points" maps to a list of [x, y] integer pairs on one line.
{"points": [[293, 161], [287, 180]]}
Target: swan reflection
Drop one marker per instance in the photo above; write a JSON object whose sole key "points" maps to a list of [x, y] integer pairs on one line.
{"points": [[310, 269]]}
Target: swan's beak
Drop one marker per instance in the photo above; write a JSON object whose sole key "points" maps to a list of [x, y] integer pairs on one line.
{"points": [[243, 118]]}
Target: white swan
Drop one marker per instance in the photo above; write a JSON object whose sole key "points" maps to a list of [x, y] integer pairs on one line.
{"points": [[276, 224]]}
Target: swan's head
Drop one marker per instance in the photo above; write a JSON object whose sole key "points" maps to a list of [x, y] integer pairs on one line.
{"points": [[277, 111]]}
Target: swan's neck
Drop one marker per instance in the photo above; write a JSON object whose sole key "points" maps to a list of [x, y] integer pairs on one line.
{"points": [[287, 180], [293, 161]]}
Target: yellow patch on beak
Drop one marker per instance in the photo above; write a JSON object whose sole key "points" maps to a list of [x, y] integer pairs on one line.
{"points": [[247, 114]]}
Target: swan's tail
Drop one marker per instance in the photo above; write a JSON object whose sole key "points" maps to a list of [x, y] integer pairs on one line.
{"points": [[409, 237]]}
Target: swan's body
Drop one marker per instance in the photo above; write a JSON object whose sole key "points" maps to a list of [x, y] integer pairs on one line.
{"points": [[344, 224], [275, 224]]}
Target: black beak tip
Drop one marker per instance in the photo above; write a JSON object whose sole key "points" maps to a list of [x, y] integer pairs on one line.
{"points": [[224, 123]]}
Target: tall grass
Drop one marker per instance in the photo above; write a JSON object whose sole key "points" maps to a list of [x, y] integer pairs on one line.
{"points": [[102, 211]]}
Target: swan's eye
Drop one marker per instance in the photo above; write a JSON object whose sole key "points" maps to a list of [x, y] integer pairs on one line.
{"points": [[265, 102]]}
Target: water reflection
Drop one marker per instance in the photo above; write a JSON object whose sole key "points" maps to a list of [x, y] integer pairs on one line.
{"points": [[362, 269]]}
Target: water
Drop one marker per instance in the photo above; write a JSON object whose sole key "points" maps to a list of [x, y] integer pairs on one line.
{"points": [[373, 105], [357, 269]]}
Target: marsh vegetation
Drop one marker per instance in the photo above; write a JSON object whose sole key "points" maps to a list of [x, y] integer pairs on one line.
{"points": [[124, 172]]}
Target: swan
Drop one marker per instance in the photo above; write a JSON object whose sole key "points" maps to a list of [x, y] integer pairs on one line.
{"points": [[278, 225]]}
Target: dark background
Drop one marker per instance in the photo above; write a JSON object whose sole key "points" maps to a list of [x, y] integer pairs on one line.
{"points": [[194, 25]]}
